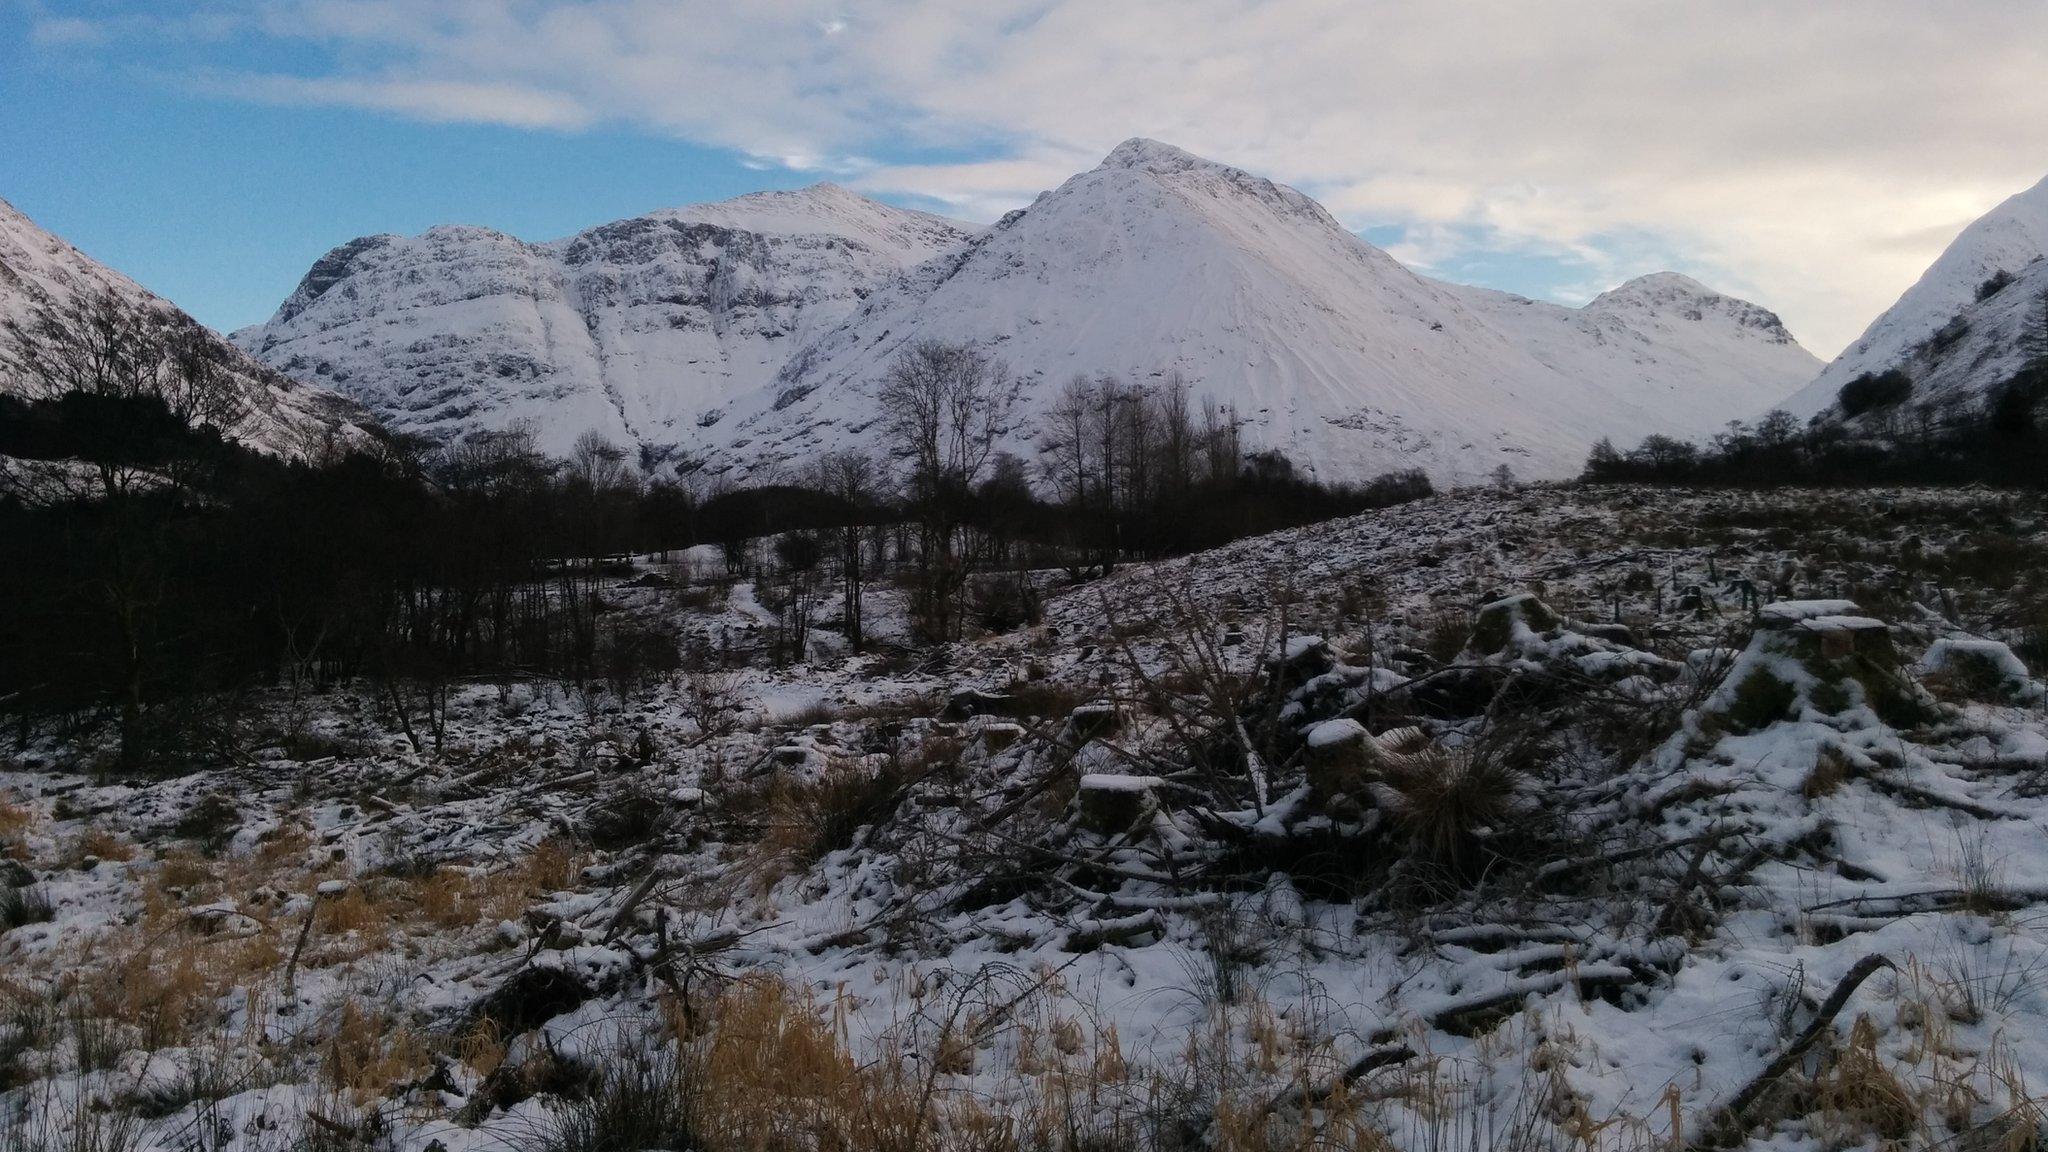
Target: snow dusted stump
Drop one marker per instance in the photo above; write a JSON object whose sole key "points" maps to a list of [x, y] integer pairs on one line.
{"points": [[1522, 632], [1110, 803], [996, 737], [1833, 629], [1342, 757], [1512, 620], [1094, 721], [968, 703], [1818, 655]]}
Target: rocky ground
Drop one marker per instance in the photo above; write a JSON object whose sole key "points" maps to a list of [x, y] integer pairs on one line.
{"points": [[1546, 818]]}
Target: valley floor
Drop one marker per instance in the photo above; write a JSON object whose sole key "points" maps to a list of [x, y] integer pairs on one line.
{"points": [[1550, 818]]}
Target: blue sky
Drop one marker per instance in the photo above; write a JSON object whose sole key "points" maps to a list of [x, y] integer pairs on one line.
{"points": [[1810, 157], [220, 204]]}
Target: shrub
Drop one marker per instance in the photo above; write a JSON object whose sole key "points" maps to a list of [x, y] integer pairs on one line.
{"points": [[210, 823], [810, 821], [1994, 284], [627, 815], [1874, 390], [1948, 335], [1002, 603], [1447, 804], [644, 1100], [19, 906], [1761, 700]]}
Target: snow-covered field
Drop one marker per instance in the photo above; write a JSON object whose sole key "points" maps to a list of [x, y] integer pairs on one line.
{"points": [[1541, 819]]}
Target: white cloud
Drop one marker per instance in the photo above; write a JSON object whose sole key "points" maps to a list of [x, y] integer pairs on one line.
{"points": [[1815, 155], [446, 101], [66, 32]]}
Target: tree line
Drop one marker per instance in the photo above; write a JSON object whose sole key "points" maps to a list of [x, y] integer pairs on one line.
{"points": [[151, 569], [1884, 438]]}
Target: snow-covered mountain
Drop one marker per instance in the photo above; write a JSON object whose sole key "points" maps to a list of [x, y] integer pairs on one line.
{"points": [[750, 334], [1982, 351], [285, 416], [1337, 355], [643, 329]]}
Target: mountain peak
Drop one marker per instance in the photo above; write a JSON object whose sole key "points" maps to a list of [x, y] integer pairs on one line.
{"points": [[1189, 173], [1656, 288], [1670, 297], [818, 209], [1661, 282], [1143, 154]]}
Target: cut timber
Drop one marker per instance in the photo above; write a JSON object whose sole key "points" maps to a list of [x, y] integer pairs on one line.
{"points": [[1093, 721], [996, 737], [1111, 803], [971, 702]]}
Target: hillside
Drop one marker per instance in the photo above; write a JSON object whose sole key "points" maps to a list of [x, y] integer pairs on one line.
{"points": [[2008, 240], [285, 417], [1710, 815]]}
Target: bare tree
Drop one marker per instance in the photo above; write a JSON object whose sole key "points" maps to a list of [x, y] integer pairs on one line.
{"points": [[1067, 447], [138, 362], [597, 462], [853, 477], [944, 408], [1220, 438]]}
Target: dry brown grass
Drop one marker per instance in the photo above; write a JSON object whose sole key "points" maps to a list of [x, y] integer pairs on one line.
{"points": [[97, 842], [285, 845], [551, 867], [15, 822], [1857, 1093], [368, 1052], [482, 1048], [1830, 771], [802, 821]]}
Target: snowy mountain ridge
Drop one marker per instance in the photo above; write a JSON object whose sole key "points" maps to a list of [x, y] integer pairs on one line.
{"points": [[285, 416], [640, 328], [2006, 240], [1332, 351], [746, 336]]}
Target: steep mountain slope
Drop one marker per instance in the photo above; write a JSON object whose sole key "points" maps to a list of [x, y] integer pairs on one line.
{"points": [[641, 329], [285, 416], [1333, 352], [1982, 347], [2006, 239]]}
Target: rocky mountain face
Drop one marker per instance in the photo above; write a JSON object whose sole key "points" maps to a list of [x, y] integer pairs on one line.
{"points": [[643, 329], [285, 416], [1967, 324], [747, 336]]}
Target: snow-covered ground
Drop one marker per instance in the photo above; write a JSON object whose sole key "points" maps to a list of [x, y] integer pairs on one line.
{"points": [[1547, 818]]}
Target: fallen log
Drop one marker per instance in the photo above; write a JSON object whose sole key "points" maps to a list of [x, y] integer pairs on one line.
{"points": [[1305, 1097]]}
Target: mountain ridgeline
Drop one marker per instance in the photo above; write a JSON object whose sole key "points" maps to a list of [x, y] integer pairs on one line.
{"points": [[744, 338]]}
